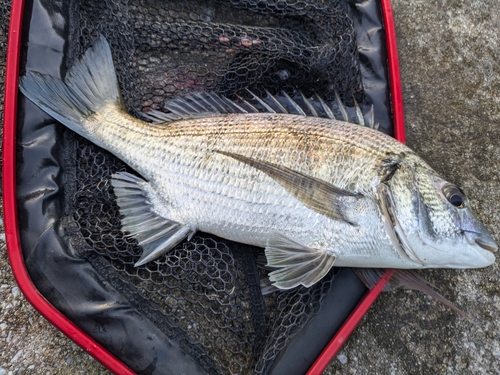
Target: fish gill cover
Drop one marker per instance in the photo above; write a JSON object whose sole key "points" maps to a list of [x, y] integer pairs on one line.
{"points": [[205, 294]]}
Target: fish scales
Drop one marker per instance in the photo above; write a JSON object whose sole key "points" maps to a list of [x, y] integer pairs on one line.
{"points": [[226, 194], [311, 145], [313, 192]]}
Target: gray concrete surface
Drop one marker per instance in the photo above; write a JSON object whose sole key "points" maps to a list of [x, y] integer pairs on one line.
{"points": [[451, 75], [451, 79], [28, 343]]}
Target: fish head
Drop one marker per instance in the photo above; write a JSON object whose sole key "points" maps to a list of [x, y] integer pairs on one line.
{"points": [[434, 222]]}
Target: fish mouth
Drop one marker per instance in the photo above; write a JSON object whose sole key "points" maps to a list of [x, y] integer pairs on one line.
{"points": [[487, 244]]}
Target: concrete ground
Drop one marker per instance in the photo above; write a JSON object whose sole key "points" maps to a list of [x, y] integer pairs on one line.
{"points": [[450, 74]]}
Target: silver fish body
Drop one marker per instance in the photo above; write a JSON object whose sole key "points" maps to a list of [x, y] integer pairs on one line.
{"points": [[314, 192]]}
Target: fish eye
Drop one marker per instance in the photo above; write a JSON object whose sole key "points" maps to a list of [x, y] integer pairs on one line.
{"points": [[454, 195]]}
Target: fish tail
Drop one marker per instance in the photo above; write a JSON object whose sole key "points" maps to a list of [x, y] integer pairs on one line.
{"points": [[89, 86]]}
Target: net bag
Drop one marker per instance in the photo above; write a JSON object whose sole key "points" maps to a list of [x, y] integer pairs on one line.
{"points": [[198, 309]]}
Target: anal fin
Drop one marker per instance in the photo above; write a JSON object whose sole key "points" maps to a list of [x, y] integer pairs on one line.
{"points": [[155, 234], [295, 264]]}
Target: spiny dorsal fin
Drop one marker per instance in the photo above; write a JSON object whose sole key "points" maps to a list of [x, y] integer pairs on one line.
{"points": [[263, 103], [325, 107], [203, 104], [309, 105], [342, 109], [276, 102], [318, 195], [359, 113]]}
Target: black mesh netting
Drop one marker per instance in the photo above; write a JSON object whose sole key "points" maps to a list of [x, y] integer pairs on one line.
{"points": [[205, 294], [166, 48]]}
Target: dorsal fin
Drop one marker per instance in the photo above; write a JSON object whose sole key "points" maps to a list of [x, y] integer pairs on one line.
{"points": [[326, 108], [309, 105], [341, 107], [204, 104], [294, 104], [263, 103], [359, 113], [276, 102]]}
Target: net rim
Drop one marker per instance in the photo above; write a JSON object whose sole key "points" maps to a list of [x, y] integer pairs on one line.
{"points": [[14, 251]]}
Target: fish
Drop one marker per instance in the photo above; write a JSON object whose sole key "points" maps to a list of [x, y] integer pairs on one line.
{"points": [[314, 192]]}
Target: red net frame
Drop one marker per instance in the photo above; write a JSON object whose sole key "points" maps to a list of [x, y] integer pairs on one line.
{"points": [[10, 204]]}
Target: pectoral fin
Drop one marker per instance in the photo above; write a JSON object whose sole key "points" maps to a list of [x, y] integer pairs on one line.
{"points": [[296, 264], [315, 193], [405, 279], [155, 234]]}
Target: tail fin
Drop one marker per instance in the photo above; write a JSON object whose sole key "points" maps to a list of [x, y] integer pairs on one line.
{"points": [[90, 85]]}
